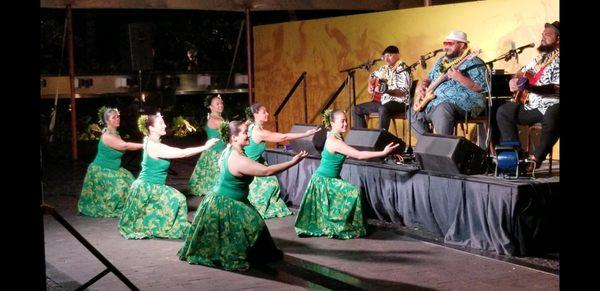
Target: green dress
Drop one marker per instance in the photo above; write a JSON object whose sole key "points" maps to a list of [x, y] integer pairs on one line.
{"points": [[227, 231], [330, 206], [153, 209], [264, 191], [203, 177], [106, 184]]}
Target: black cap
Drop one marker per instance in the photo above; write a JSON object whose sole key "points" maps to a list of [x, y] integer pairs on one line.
{"points": [[392, 49], [555, 25]]}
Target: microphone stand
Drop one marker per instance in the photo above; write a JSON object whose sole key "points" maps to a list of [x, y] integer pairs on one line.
{"points": [[490, 68], [351, 81], [408, 105]]}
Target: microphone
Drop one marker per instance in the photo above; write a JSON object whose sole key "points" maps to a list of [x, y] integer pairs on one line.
{"points": [[437, 51], [521, 48], [422, 62], [516, 51]]}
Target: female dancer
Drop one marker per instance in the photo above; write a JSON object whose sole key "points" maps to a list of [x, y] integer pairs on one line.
{"points": [[154, 209], [227, 231], [331, 206], [264, 191], [106, 183], [203, 177]]}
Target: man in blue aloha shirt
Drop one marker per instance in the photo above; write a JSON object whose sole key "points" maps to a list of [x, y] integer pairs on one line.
{"points": [[459, 94]]}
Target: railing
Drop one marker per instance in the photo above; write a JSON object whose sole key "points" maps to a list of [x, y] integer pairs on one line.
{"points": [[349, 80], [47, 209], [287, 98]]}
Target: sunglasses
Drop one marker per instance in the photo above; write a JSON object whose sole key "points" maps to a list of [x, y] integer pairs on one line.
{"points": [[449, 43]]}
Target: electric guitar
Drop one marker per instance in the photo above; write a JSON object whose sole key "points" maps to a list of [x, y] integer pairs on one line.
{"points": [[521, 94], [421, 102]]}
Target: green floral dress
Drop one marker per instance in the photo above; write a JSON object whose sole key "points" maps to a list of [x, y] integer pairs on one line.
{"points": [[330, 206], [203, 177], [106, 184], [227, 231], [264, 191], [153, 209]]}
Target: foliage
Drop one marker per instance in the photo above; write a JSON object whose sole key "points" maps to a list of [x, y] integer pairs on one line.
{"points": [[183, 127]]}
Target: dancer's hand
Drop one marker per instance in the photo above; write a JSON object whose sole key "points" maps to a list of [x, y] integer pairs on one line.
{"points": [[390, 147], [300, 156], [211, 142], [313, 131]]}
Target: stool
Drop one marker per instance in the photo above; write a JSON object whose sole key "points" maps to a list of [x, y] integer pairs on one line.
{"points": [[482, 119]]}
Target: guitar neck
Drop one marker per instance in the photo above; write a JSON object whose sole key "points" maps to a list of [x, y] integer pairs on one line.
{"points": [[441, 78]]}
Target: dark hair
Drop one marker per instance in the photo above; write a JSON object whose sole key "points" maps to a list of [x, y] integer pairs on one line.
{"points": [[208, 100], [144, 122], [229, 129], [392, 49], [253, 109], [328, 117]]}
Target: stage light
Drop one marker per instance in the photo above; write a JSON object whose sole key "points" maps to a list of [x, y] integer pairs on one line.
{"points": [[507, 161]]}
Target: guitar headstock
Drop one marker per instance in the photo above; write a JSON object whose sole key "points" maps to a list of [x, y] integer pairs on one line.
{"points": [[474, 54]]}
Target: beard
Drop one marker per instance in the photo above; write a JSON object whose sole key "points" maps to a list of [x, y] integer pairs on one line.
{"points": [[454, 54], [546, 48]]}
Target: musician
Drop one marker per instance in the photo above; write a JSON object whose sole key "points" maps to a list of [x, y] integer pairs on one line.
{"points": [[459, 91], [540, 85], [390, 102]]}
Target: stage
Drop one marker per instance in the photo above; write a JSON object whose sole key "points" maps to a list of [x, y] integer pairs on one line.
{"points": [[515, 217]]}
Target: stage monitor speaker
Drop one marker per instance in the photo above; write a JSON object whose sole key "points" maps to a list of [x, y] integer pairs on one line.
{"points": [[449, 154], [312, 144], [373, 140], [140, 46]]}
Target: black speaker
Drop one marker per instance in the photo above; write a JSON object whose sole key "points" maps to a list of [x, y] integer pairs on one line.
{"points": [[373, 140], [449, 154], [140, 46], [312, 144]]}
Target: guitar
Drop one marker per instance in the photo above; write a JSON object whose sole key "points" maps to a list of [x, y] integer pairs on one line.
{"points": [[421, 102], [521, 94], [379, 87]]}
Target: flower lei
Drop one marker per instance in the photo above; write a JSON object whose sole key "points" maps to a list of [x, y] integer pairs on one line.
{"points": [[446, 64], [550, 57]]}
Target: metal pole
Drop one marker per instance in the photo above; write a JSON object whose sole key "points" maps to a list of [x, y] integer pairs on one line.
{"points": [[237, 46], [305, 101], [249, 55], [72, 83]]}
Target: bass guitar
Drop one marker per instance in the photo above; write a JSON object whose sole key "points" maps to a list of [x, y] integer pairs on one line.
{"points": [[421, 102]]}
